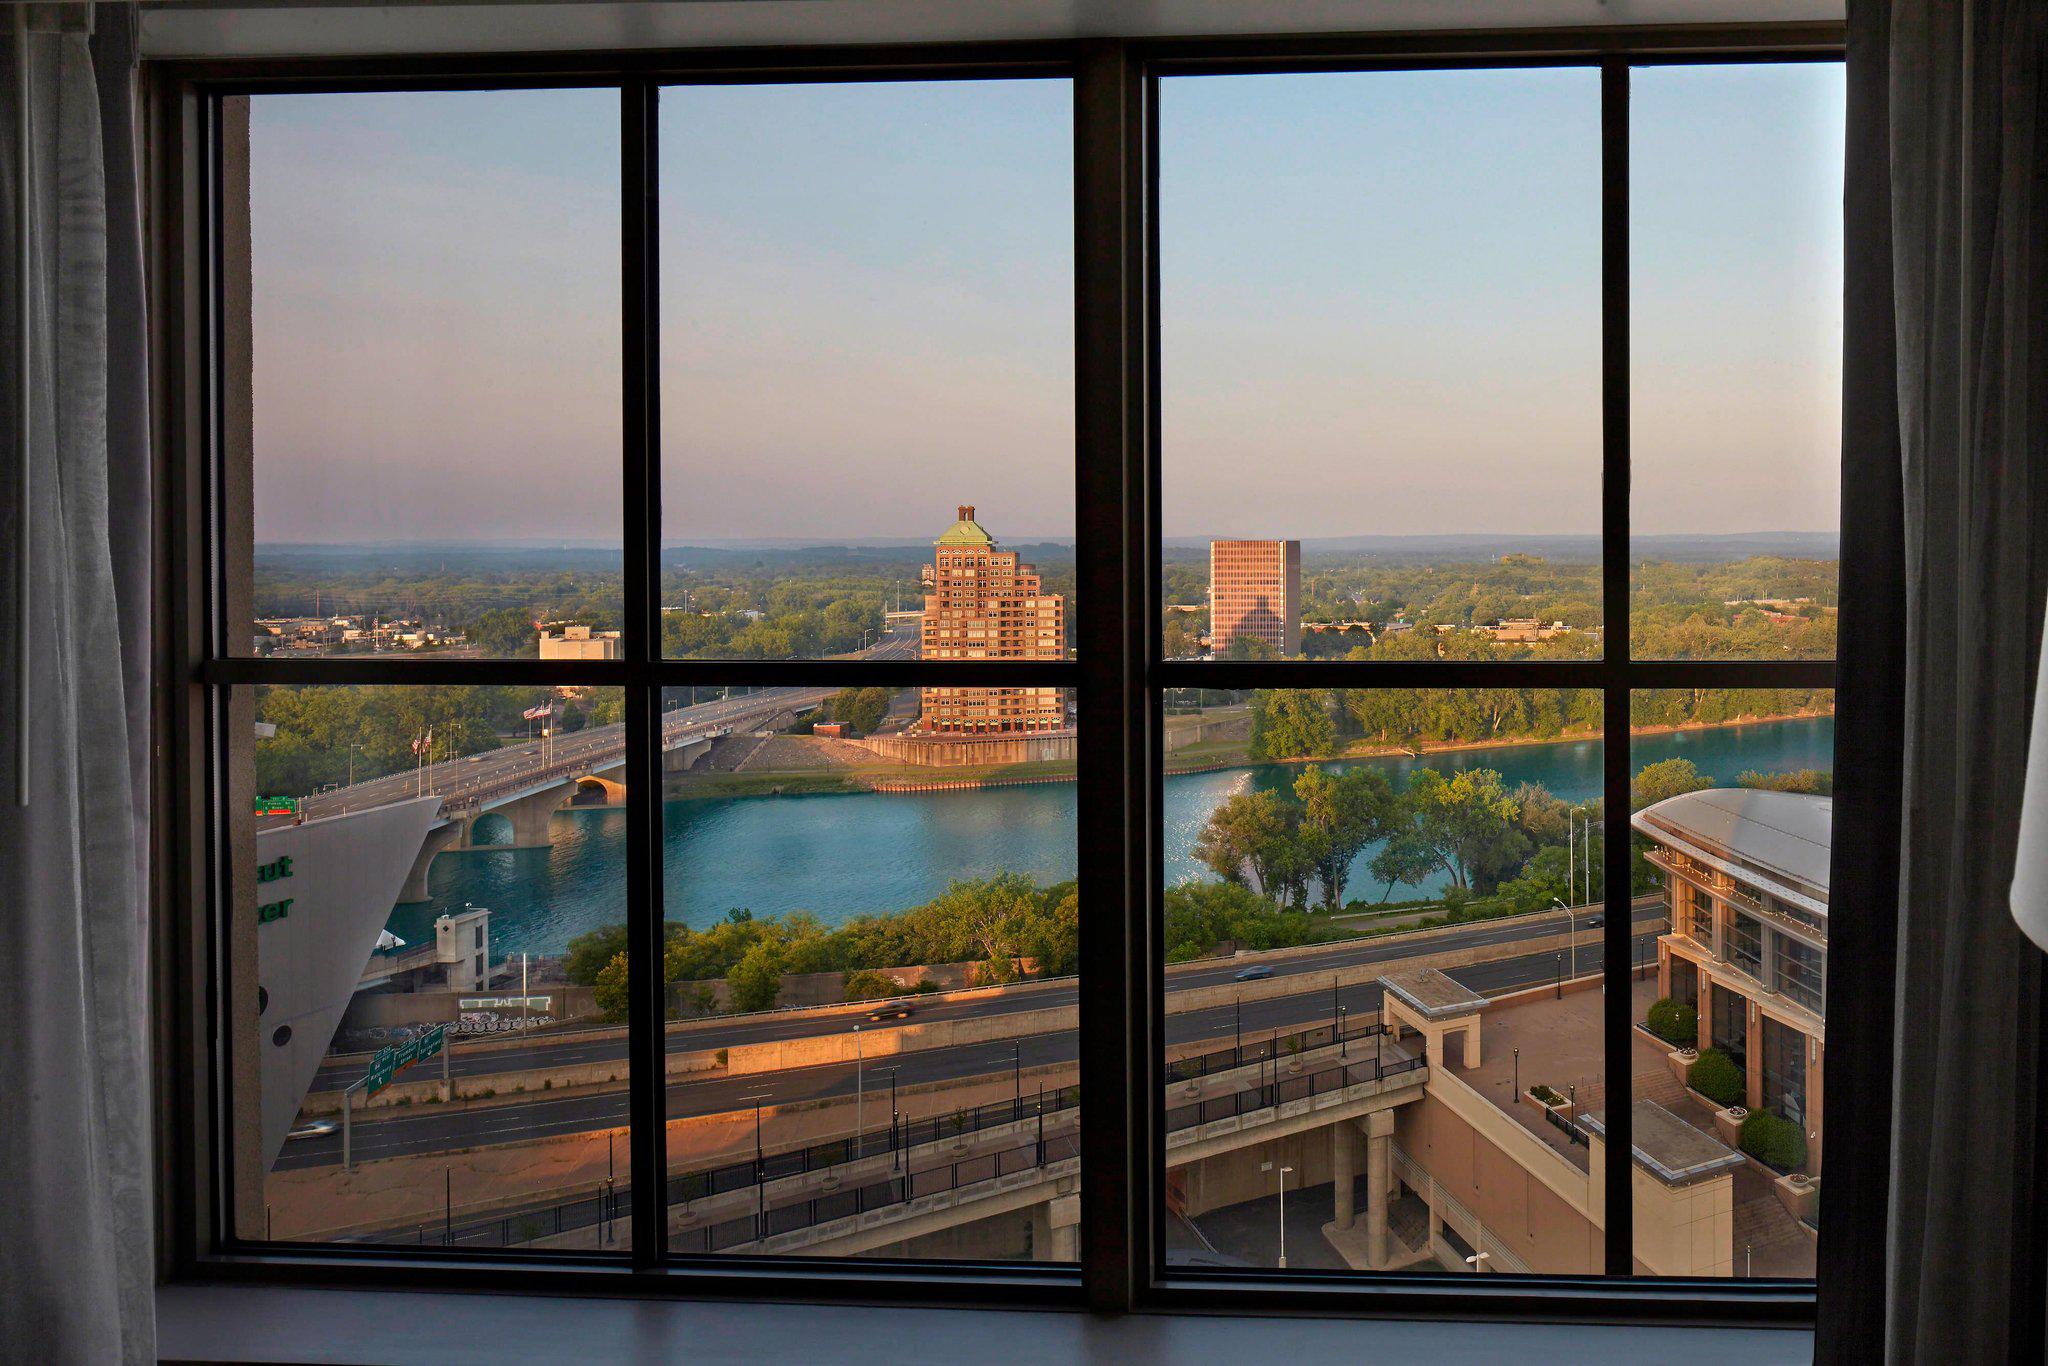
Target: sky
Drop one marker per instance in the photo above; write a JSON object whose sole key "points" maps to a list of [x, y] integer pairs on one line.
{"points": [[1379, 307]]}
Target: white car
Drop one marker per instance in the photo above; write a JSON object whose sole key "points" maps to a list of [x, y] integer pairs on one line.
{"points": [[314, 1128]]}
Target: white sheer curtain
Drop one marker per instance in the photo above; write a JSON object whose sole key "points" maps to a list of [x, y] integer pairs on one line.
{"points": [[77, 1256]]}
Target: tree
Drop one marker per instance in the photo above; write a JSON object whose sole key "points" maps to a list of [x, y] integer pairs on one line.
{"points": [[1290, 723], [609, 988], [1405, 859], [1248, 834], [1340, 815], [755, 981], [1247, 647], [1666, 778], [1817, 781], [861, 709], [1202, 917], [1467, 822], [504, 631]]}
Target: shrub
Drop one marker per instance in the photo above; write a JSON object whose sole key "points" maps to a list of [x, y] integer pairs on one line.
{"points": [[1546, 1095], [868, 985], [1716, 1077], [1774, 1140], [1675, 1022]]}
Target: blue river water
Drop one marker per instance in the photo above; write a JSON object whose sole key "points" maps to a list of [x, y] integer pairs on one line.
{"points": [[842, 855]]}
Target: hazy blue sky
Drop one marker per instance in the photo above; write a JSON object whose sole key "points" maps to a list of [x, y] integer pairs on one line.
{"points": [[1380, 307]]}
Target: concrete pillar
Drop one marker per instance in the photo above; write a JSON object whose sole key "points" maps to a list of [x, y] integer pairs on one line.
{"points": [[1063, 1213], [1343, 1173], [440, 837], [1379, 1157], [530, 816]]}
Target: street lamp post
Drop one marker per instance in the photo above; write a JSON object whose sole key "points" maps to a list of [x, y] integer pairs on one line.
{"points": [[1560, 977], [860, 1131], [1571, 918], [1016, 1080], [1283, 1216], [1518, 1071], [1238, 1056], [1342, 1046]]}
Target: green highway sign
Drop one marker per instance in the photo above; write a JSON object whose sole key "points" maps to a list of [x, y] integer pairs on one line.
{"points": [[388, 1061], [382, 1065]]}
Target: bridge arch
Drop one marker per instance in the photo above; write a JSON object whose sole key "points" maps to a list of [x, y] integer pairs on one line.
{"points": [[492, 828], [592, 790]]}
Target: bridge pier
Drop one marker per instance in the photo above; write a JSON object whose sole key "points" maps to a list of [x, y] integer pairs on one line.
{"points": [[530, 816], [452, 834]]}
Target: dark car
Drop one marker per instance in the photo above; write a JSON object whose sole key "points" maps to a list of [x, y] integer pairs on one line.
{"points": [[893, 1010], [1255, 973], [1595, 922]]}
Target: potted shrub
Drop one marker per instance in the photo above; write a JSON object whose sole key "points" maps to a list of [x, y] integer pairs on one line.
{"points": [[1773, 1140], [1548, 1098], [1673, 1021], [1716, 1078]]}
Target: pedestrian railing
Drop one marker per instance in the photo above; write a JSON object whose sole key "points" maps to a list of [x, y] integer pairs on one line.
{"points": [[913, 1139]]}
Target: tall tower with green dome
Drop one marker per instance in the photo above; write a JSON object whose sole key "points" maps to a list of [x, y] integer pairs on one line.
{"points": [[983, 603]]}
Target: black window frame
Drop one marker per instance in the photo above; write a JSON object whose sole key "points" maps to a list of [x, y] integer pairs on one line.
{"points": [[1117, 670]]}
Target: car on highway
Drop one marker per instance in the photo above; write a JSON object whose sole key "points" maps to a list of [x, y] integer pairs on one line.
{"points": [[893, 1010], [1594, 922], [313, 1128], [1257, 972]]}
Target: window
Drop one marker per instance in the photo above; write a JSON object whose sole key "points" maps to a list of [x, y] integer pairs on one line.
{"points": [[743, 689]]}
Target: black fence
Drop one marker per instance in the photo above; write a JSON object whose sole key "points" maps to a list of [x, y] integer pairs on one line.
{"points": [[1262, 1048], [1571, 1130], [1373, 1062], [606, 1207], [895, 1190], [1283, 1089], [901, 1135]]}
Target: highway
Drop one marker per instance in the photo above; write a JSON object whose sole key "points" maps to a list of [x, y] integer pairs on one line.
{"points": [[457, 781], [571, 1050], [433, 1129]]}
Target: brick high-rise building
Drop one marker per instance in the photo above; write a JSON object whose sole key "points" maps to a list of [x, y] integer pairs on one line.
{"points": [[1255, 592], [981, 603]]}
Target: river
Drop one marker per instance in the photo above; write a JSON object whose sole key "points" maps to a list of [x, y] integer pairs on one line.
{"points": [[843, 855]]}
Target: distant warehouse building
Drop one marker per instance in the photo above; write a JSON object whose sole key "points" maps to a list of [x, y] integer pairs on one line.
{"points": [[1746, 882], [1255, 594], [579, 642]]}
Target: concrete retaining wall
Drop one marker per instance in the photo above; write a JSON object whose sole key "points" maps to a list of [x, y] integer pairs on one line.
{"points": [[870, 1044]]}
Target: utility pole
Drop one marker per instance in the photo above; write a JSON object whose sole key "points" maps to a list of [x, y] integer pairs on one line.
{"points": [[860, 1132]]}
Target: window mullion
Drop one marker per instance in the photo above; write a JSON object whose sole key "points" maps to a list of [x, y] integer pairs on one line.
{"points": [[640, 387], [1614, 561], [1110, 478]]}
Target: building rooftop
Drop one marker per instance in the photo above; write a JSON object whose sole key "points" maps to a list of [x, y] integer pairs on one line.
{"points": [[1670, 1149], [1780, 839], [1432, 995], [966, 531]]}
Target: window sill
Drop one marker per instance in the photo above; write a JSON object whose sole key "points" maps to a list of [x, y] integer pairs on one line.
{"points": [[219, 1322]]}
